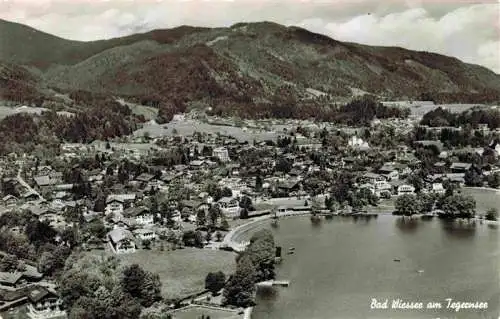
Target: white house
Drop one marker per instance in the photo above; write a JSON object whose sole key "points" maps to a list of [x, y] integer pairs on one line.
{"points": [[381, 186], [357, 143], [145, 234], [438, 188], [121, 241], [221, 153], [406, 189], [114, 206], [44, 303], [229, 206], [140, 215]]}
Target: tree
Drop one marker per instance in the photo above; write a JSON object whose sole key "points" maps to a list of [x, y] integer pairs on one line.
{"points": [[224, 225], [283, 165], [132, 279], [218, 236], [244, 213], [246, 202], [213, 214], [192, 238], [494, 180], [407, 205], [240, 287], [46, 263], [258, 183], [261, 251], [473, 178], [427, 202], [40, 232], [96, 228], [459, 206], [492, 214], [215, 281], [8, 263], [146, 244]]}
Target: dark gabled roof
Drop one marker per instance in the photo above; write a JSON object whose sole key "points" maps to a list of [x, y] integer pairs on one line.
{"points": [[461, 165], [191, 203], [10, 277], [144, 177], [135, 211], [288, 184], [38, 293], [44, 180]]}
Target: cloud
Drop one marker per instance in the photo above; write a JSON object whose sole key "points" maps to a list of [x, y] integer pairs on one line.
{"points": [[469, 31]]}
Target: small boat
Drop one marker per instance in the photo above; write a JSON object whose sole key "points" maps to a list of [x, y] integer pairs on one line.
{"points": [[292, 248], [291, 252], [397, 260], [420, 271]]}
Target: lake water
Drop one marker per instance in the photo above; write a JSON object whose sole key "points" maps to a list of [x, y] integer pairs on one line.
{"points": [[341, 264]]}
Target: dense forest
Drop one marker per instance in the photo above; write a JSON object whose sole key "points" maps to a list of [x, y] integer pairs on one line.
{"points": [[101, 118], [473, 117]]}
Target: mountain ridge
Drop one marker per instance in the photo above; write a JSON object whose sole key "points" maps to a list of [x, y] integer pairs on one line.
{"points": [[235, 68]]}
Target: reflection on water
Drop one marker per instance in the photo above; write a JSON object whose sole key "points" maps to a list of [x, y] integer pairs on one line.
{"points": [[267, 293], [407, 225], [461, 229]]}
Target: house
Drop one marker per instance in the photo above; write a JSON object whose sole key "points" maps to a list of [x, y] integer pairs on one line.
{"points": [[193, 205], [437, 188], [389, 172], [44, 303], [196, 163], [116, 203], [145, 234], [114, 206], [144, 178], [229, 206], [358, 143], [405, 190], [373, 177], [9, 200], [289, 186], [460, 167], [381, 186], [221, 153], [10, 279], [44, 181], [122, 241], [140, 215]]}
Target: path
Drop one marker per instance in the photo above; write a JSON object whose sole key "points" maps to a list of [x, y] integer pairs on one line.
{"points": [[26, 185]]}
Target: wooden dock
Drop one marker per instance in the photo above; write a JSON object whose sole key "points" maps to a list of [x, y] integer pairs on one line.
{"points": [[272, 283]]}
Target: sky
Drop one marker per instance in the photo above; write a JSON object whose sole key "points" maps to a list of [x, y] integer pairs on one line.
{"points": [[466, 29]]}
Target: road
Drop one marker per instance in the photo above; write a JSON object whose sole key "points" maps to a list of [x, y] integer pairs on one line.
{"points": [[26, 185]]}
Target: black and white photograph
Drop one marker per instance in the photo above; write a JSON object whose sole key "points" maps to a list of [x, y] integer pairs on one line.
{"points": [[249, 159]]}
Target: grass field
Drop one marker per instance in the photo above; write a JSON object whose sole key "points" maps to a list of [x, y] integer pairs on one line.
{"points": [[182, 272]]}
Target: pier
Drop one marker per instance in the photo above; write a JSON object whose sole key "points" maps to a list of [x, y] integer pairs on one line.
{"points": [[272, 283]]}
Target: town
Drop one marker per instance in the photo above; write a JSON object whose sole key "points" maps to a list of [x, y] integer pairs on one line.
{"points": [[157, 212]]}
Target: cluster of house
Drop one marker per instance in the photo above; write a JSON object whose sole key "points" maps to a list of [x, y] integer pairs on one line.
{"points": [[131, 222], [27, 289]]}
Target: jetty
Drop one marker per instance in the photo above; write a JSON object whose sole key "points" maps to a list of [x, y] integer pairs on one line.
{"points": [[272, 283]]}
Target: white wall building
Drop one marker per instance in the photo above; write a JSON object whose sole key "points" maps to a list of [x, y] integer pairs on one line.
{"points": [[221, 153]]}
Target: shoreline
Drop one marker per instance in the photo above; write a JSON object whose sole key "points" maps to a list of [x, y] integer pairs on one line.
{"points": [[232, 237], [496, 190]]}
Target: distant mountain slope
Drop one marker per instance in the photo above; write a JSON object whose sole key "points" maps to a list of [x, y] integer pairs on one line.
{"points": [[242, 66], [25, 45]]}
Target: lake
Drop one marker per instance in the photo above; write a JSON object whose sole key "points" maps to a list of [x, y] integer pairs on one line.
{"points": [[339, 265]]}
